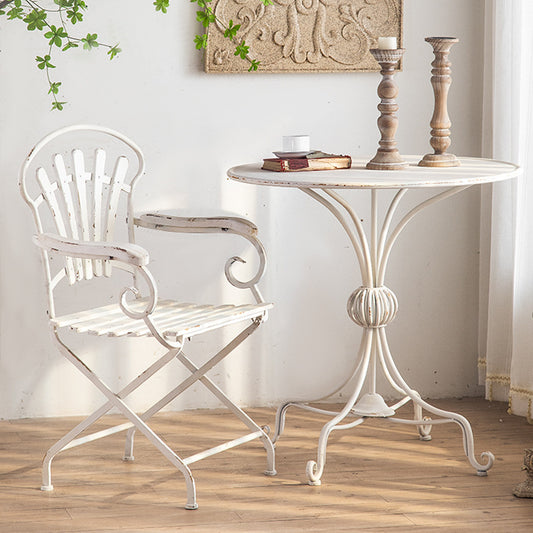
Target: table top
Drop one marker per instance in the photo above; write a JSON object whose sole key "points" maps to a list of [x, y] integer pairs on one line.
{"points": [[471, 171]]}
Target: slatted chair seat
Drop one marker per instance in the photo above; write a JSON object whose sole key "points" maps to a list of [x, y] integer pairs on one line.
{"points": [[174, 319], [79, 183]]}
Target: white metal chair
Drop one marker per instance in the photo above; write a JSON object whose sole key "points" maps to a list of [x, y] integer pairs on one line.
{"points": [[79, 183]]}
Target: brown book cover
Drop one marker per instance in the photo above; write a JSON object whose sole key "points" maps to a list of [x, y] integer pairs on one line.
{"points": [[313, 161]]}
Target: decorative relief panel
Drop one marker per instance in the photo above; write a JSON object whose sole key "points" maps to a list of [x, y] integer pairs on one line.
{"points": [[303, 35]]}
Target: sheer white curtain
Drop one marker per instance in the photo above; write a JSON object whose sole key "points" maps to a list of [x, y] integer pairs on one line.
{"points": [[506, 283]]}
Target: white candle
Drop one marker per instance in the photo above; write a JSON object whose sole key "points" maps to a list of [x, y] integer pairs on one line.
{"points": [[387, 43]]}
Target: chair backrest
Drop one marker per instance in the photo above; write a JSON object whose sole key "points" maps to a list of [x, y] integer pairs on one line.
{"points": [[79, 182]]}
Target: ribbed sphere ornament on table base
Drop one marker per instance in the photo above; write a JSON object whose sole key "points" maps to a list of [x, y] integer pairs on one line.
{"points": [[372, 307], [440, 122], [387, 157]]}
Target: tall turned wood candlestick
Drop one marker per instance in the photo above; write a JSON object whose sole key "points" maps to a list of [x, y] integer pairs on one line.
{"points": [[387, 157], [440, 122]]}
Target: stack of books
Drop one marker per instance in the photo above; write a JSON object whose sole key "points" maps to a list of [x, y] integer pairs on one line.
{"points": [[312, 161]]}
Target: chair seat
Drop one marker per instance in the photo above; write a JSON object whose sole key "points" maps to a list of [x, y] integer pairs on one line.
{"points": [[175, 319]]}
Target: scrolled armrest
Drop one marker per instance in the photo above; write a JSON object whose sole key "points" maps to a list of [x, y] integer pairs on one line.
{"points": [[132, 254], [218, 224], [224, 224]]}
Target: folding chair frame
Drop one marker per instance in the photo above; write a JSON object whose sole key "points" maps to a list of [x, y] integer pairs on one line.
{"points": [[89, 251], [139, 422]]}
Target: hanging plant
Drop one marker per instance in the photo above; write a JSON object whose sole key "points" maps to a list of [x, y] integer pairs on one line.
{"points": [[57, 26], [207, 16]]}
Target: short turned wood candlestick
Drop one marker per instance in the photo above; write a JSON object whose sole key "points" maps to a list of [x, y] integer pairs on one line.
{"points": [[440, 122], [387, 157]]}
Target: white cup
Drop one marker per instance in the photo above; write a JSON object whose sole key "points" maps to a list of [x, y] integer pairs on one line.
{"points": [[296, 143]]}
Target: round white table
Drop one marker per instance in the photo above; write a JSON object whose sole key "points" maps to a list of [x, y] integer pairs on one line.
{"points": [[373, 305]]}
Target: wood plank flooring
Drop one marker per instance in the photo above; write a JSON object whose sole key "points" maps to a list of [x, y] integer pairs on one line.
{"points": [[378, 477]]}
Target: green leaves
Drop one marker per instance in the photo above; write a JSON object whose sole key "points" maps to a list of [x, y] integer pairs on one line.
{"points": [[69, 45], [44, 62], [74, 16], [56, 36], [70, 12], [90, 41], [206, 17], [254, 65], [201, 3], [58, 105], [231, 30], [16, 11], [161, 5], [67, 14], [71, 4], [114, 51], [242, 50], [54, 88], [35, 19], [201, 41]]}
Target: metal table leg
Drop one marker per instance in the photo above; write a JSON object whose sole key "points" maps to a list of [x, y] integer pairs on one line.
{"points": [[373, 306]]}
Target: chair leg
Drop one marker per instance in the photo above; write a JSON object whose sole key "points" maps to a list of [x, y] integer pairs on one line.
{"points": [[239, 413], [198, 374], [128, 447], [118, 402], [64, 442], [149, 372], [162, 447], [69, 440]]}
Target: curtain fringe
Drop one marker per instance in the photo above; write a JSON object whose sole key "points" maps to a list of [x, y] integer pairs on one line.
{"points": [[501, 379], [527, 394]]}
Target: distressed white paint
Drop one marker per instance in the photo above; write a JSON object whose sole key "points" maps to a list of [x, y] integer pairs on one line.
{"points": [[471, 171], [171, 323], [373, 306], [192, 128]]}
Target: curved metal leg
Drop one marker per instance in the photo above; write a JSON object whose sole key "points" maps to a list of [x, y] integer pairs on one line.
{"points": [[314, 469], [280, 420], [468, 436], [282, 409], [424, 430], [373, 306]]}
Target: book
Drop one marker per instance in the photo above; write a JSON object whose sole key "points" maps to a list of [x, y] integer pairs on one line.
{"points": [[312, 161]]}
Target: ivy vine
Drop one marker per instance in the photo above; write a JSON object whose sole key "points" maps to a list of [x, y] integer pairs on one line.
{"points": [[57, 24], [207, 16]]}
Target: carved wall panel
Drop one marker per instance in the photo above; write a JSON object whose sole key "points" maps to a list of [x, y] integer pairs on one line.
{"points": [[303, 35]]}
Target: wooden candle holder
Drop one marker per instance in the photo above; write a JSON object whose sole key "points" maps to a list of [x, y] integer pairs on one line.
{"points": [[440, 122], [387, 157]]}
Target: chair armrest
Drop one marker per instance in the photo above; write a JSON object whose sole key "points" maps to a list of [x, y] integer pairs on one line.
{"points": [[124, 252], [178, 224], [217, 224]]}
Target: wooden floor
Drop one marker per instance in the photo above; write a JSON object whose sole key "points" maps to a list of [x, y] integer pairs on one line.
{"points": [[379, 477]]}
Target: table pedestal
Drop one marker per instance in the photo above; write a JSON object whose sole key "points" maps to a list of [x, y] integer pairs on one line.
{"points": [[372, 306]]}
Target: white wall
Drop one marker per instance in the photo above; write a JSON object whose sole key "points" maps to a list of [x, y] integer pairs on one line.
{"points": [[192, 127]]}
